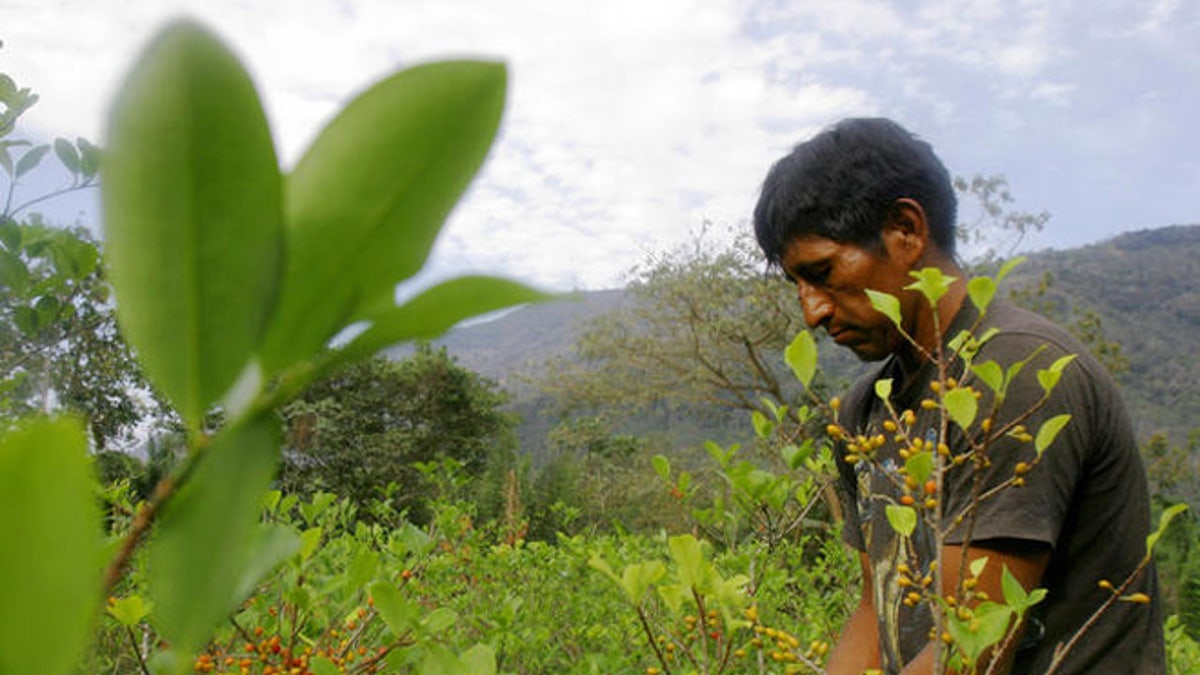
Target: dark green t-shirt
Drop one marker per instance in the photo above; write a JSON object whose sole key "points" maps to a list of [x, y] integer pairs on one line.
{"points": [[1087, 501]]}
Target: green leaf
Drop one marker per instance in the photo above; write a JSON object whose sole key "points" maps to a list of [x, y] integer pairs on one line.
{"points": [[369, 197], [436, 310], [763, 427], [478, 660], [981, 290], [977, 565], [1164, 520], [1049, 377], [319, 665], [903, 519], [10, 235], [397, 612], [794, 456], [129, 611], [1049, 431], [310, 539], [991, 374], [988, 626], [89, 158], [961, 406], [50, 559], [883, 389], [30, 160], [920, 466], [67, 154], [689, 560], [801, 356], [14, 275], [438, 620], [1014, 369], [638, 577], [1008, 267], [273, 544], [931, 282], [1015, 595], [886, 304], [193, 216], [208, 536], [361, 570], [662, 466]]}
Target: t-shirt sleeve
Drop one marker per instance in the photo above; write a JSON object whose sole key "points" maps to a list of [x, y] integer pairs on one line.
{"points": [[1035, 508]]}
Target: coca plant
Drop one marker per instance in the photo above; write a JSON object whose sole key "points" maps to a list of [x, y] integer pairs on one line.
{"points": [[232, 278]]}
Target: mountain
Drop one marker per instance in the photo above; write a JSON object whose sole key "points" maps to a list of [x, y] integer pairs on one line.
{"points": [[1144, 286]]}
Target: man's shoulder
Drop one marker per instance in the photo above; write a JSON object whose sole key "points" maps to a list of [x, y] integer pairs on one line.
{"points": [[1014, 323]]}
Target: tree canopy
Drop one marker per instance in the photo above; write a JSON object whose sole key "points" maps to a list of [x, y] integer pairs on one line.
{"points": [[376, 422]]}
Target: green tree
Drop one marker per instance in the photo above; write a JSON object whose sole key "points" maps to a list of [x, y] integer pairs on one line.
{"points": [[704, 328], [59, 343], [371, 424]]}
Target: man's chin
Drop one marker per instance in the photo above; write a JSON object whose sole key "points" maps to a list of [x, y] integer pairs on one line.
{"points": [[868, 353]]}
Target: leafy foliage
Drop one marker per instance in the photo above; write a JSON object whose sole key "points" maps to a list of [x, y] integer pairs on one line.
{"points": [[372, 423], [204, 256], [59, 343]]}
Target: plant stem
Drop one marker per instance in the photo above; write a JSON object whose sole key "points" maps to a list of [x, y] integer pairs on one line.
{"points": [[1061, 650], [650, 638], [137, 652]]}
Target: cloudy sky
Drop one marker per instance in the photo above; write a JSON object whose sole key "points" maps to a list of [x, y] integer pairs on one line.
{"points": [[631, 122]]}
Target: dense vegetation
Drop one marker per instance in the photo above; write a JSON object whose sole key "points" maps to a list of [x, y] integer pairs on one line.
{"points": [[290, 507]]}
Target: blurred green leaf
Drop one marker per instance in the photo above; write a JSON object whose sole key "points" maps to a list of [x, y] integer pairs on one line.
{"points": [[67, 154], [662, 466], [192, 212], [920, 466], [436, 310], [961, 406], [50, 559], [1008, 267], [903, 519], [439, 620], [89, 158], [129, 611], [801, 356], [689, 560], [369, 197], [981, 290], [397, 612], [991, 374], [794, 456], [31, 159], [1164, 520], [1049, 431], [208, 535], [886, 304], [270, 547], [930, 282]]}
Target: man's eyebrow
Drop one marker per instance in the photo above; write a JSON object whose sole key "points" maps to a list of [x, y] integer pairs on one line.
{"points": [[806, 270]]}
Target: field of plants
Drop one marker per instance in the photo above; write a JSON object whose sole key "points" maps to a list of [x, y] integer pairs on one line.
{"points": [[244, 295]]}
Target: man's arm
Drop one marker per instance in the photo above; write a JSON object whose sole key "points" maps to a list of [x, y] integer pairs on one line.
{"points": [[1025, 560], [858, 647]]}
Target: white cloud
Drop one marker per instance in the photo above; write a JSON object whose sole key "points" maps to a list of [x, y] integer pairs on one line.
{"points": [[630, 122]]}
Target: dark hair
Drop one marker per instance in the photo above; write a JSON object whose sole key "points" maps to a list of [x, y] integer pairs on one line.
{"points": [[842, 183]]}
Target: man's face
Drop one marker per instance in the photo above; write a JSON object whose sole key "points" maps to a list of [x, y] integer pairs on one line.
{"points": [[831, 279]]}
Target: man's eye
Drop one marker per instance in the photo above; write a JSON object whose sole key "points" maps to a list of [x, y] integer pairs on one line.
{"points": [[817, 277]]}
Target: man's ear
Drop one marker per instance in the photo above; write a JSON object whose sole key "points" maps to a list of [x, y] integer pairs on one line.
{"points": [[906, 232]]}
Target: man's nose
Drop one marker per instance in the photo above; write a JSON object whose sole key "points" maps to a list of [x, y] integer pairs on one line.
{"points": [[817, 306]]}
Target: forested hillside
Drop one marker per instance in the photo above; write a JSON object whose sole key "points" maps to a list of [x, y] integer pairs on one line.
{"points": [[1144, 286]]}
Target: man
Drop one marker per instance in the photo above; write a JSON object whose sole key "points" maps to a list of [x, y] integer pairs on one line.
{"points": [[858, 207]]}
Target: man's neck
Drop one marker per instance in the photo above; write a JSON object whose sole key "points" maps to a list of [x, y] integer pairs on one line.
{"points": [[930, 330]]}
